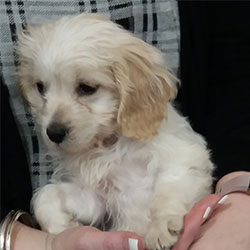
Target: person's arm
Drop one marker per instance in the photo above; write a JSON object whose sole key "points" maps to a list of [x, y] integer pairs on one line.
{"points": [[78, 238], [227, 178]]}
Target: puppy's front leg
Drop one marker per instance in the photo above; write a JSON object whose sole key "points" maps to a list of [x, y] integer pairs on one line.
{"points": [[167, 222], [64, 205], [173, 198]]}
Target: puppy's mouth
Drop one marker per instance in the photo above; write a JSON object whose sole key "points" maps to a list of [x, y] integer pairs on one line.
{"points": [[63, 143]]}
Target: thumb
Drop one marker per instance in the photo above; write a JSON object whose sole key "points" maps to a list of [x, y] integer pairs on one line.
{"points": [[82, 238], [122, 240]]}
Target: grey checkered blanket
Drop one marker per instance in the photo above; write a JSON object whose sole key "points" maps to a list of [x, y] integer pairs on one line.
{"points": [[154, 21]]}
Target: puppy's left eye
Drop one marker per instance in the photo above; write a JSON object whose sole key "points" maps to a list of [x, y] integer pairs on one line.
{"points": [[40, 87], [84, 89]]}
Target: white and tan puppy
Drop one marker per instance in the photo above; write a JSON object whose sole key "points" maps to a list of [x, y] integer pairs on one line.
{"points": [[101, 98]]}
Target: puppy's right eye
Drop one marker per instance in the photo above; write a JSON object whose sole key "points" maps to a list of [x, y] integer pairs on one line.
{"points": [[40, 87]]}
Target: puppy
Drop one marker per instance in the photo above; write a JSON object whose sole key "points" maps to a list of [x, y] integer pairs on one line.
{"points": [[101, 99]]}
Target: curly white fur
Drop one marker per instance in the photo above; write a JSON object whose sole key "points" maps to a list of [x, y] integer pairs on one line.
{"points": [[128, 154]]}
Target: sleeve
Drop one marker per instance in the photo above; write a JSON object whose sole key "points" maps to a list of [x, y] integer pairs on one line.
{"points": [[15, 174]]}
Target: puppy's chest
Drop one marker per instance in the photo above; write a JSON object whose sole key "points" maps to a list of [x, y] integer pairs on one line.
{"points": [[130, 186], [127, 184]]}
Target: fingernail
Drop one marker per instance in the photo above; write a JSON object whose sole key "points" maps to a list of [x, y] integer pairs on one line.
{"points": [[223, 199], [206, 213], [133, 244]]}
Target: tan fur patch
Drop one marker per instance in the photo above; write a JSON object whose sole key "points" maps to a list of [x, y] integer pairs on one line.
{"points": [[145, 88]]}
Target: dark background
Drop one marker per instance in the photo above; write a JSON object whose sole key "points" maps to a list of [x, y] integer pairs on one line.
{"points": [[215, 75]]}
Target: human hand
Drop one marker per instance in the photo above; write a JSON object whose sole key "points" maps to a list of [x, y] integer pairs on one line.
{"points": [[78, 238], [90, 238], [194, 220], [227, 226]]}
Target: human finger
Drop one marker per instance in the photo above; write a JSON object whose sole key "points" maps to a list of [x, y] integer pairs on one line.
{"points": [[201, 211]]}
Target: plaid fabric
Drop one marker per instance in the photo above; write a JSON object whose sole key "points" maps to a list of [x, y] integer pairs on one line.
{"points": [[154, 21]]}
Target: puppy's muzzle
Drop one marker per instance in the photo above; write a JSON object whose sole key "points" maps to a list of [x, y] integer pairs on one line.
{"points": [[57, 132]]}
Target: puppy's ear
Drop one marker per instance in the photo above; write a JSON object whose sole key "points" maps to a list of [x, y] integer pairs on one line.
{"points": [[23, 69], [145, 86]]}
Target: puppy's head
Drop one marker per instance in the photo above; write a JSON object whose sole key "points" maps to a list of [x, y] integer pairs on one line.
{"points": [[85, 79]]}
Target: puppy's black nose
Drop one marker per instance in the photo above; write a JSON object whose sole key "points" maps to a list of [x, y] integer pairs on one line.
{"points": [[56, 132]]}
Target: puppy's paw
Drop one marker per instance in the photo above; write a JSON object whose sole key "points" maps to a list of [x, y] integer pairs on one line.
{"points": [[50, 212], [58, 227], [164, 233]]}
